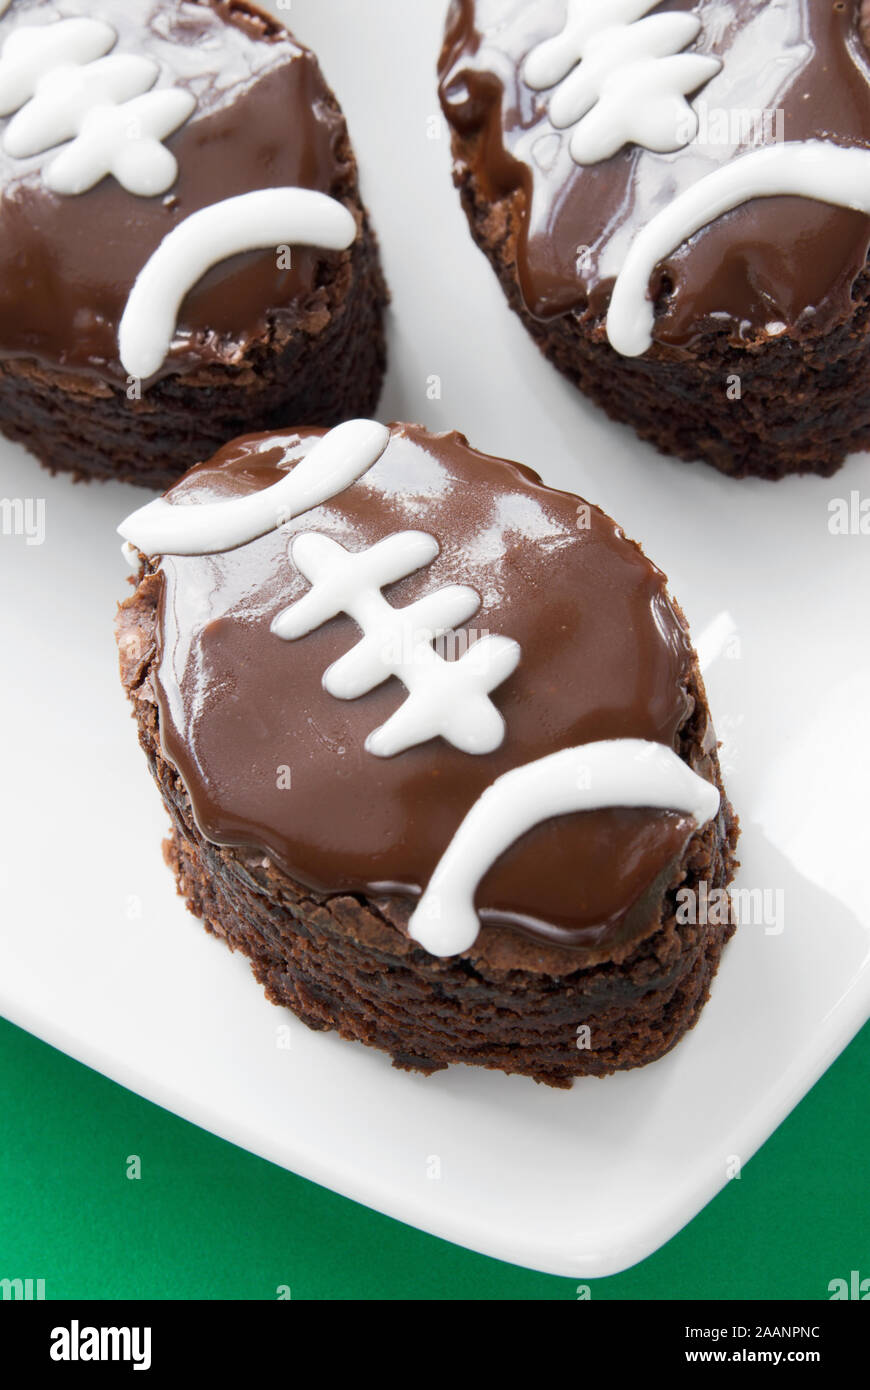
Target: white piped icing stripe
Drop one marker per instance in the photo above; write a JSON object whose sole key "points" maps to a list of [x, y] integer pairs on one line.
{"points": [[614, 772], [621, 79], [446, 698], [63, 88], [59, 105], [336, 461], [126, 142], [813, 169], [248, 222], [32, 52]]}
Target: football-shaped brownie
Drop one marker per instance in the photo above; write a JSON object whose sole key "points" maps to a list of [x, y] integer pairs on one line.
{"points": [[435, 748], [675, 198], [184, 254]]}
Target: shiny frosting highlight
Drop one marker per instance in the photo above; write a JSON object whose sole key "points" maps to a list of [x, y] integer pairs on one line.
{"points": [[263, 119], [791, 71], [273, 761]]}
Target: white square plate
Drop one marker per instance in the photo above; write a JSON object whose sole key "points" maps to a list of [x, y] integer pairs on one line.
{"points": [[100, 958]]}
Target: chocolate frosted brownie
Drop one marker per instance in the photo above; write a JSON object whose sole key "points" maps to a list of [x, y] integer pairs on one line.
{"points": [[184, 255], [435, 748], [675, 200]]}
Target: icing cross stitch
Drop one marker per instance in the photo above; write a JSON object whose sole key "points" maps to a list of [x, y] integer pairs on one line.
{"points": [[64, 89], [620, 78], [446, 698]]}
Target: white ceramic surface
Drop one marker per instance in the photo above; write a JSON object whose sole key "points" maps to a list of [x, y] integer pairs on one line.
{"points": [[99, 957]]}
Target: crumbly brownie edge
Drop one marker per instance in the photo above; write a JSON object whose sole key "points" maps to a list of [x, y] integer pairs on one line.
{"points": [[317, 366], [86, 427], [343, 962], [804, 403]]}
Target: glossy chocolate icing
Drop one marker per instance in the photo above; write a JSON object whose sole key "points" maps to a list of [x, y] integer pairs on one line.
{"points": [[264, 118], [604, 655], [771, 265]]}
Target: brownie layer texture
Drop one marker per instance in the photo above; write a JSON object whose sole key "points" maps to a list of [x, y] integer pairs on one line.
{"points": [[266, 331], [345, 961], [759, 359], [329, 368], [768, 410]]}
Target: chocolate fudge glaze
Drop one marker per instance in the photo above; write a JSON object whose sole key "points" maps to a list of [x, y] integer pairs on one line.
{"points": [[604, 655], [264, 118], [772, 264]]}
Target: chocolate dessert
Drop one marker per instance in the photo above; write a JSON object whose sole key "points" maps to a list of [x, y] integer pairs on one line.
{"points": [[184, 255], [435, 749], [675, 200]]}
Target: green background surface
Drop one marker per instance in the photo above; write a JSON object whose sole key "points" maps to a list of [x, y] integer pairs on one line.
{"points": [[207, 1220]]}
